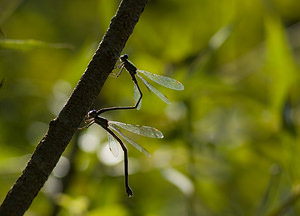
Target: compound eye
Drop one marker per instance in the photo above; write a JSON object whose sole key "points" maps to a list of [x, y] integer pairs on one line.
{"points": [[124, 57], [92, 113]]}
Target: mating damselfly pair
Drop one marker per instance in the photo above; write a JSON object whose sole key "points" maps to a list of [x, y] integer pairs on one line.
{"points": [[113, 128]]}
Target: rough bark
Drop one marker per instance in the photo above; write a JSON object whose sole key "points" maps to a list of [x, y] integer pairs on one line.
{"points": [[65, 125]]}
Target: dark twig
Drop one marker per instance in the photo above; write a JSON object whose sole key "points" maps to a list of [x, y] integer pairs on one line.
{"points": [[62, 128]]}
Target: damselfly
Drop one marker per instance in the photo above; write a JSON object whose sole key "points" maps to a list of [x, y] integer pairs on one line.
{"points": [[113, 127], [162, 80]]}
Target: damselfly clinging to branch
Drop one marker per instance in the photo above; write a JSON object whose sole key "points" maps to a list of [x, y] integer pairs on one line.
{"points": [[162, 80], [112, 127]]}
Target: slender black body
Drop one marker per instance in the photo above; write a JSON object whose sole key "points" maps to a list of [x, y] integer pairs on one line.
{"points": [[129, 66], [94, 118], [161, 80], [132, 71], [93, 115]]}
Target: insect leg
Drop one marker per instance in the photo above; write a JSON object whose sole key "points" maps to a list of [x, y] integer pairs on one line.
{"points": [[91, 121], [122, 67]]}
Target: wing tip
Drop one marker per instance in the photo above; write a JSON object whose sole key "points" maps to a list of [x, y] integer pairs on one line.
{"points": [[180, 86]]}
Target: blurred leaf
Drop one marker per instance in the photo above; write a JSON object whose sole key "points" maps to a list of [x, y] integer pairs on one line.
{"points": [[181, 181], [31, 44], [280, 61], [220, 37], [74, 206]]}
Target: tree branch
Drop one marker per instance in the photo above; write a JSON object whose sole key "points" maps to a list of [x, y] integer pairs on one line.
{"points": [[65, 125]]}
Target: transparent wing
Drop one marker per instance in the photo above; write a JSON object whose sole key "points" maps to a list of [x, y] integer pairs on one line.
{"points": [[136, 96], [163, 80], [113, 145], [155, 90], [140, 130], [137, 146]]}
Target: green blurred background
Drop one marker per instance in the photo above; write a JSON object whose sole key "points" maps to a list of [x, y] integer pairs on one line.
{"points": [[231, 143]]}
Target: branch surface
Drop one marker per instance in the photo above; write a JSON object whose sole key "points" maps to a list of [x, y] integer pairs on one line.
{"points": [[61, 129]]}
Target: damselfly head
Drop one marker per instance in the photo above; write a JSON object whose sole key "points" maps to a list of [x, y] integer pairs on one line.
{"points": [[124, 57], [92, 114]]}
